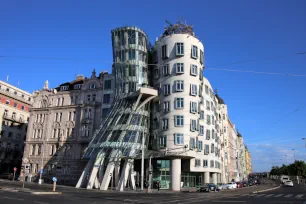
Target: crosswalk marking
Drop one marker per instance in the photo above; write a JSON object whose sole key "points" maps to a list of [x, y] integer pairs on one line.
{"points": [[289, 195], [278, 195], [299, 196], [260, 195], [269, 195]]}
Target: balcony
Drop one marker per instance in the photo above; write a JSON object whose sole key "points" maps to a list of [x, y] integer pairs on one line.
{"points": [[13, 118]]}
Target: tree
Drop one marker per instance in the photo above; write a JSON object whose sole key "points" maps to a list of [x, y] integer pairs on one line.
{"points": [[298, 168]]}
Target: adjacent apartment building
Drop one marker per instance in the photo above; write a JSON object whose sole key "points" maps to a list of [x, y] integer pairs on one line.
{"points": [[14, 116], [61, 125]]}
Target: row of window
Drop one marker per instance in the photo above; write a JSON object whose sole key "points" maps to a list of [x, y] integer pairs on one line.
{"points": [[15, 93], [107, 85], [180, 51], [130, 54], [57, 133], [213, 164], [12, 103], [36, 149], [14, 116], [178, 68], [10, 135], [120, 38]]}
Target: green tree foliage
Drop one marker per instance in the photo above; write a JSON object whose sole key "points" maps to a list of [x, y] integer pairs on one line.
{"points": [[298, 168]]}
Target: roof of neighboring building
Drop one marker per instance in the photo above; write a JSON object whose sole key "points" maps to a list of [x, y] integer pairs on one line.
{"points": [[220, 100]]}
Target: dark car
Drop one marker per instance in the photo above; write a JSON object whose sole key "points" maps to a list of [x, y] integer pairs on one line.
{"points": [[208, 187], [11, 176], [245, 183], [239, 184]]}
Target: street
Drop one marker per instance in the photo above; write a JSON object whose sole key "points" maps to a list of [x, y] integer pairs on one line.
{"points": [[296, 194]]}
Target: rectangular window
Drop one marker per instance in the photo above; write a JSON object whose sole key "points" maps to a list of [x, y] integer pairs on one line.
{"points": [[60, 117], [200, 146], [156, 73], [201, 130], [132, 70], [207, 105], [212, 164], [179, 138], [106, 98], [107, 84], [166, 106], [164, 52], [194, 52], [166, 70], [179, 85], [193, 107], [77, 86], [206, 89], [208, 119], [179, 120], [201, 74], [93, 97], [212, 148], [197, 162], [192, 144], [208, 134], [205, 163], [179, 103], [212, 134], [7, 102], [193, 125], [179, 49], [69, 116], [22, 107], [15, 104], [202, 115], [165, 124], [201, 57], [179, 68], [206, 150], [132, 54], [163, 141], [167, 89], [88, 97], [193, 89], [194, 70], [212, 119]]}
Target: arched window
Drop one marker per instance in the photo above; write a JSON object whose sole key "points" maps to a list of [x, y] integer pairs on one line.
{"points": [[92, 86]]}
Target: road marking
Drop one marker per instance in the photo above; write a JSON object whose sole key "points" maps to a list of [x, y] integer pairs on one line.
{"points": [[228, 201], [299, 196], [287, 196], [260, 195], [13, 198], [244, 194], [40, 202], [278, 195], [269, 195]]}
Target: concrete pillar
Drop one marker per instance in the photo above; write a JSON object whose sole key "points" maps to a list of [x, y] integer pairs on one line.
{"points": [[214, 178], [82, 179], [219, 178], [206, 177], [176, 174], [117, 173]]}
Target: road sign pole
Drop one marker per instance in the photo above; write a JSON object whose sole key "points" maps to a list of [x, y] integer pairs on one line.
{"points": [[14, 175], [54, 186]]}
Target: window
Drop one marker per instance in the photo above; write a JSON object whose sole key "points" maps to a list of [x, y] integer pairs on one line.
{"points": [[206, 89], [197, 162], [71, 100], [7, 102], [224, 129], [193, 89], [212, 134], [156, 73], [193, 107], [201, 115], [132, 86], [208, 120], [207, 105], [167, 89], [200, 146], [92, 86], [69, 116], [164, 52], [56, 117], [60, 116], [163, 141], [22, 107], [165, 124], [192, 144], [212, 163], [205, 163], [179, 68], [58, 101], [201, 57], [179, 85], [106, 98], [62, 101], [15, 92], [206, 150], [201, 74], [166, 106], [107, 84], [77, 86], [93, 97], [88, 97], [212, 148], [194, 52], [179, 49], [131, 36], [7, 89], [105, 112], [208, 134], [179, 120], [193, 125], [64, 88], [132, 70], [200, 90], [166, 70], [201, 130], [194, 70], [179, 103], [179, 138], [213, 119], [15, 104], [132, 54]]}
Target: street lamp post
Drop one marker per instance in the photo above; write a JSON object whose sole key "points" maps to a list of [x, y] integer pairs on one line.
{"points": [[294, 153]]}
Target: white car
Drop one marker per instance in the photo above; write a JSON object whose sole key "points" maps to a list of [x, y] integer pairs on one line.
{"points": [[288, 183], [231, 185]]}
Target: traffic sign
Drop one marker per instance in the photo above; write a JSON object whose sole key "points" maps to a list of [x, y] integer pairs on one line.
{"points": [[15, 169], [54, 179]]}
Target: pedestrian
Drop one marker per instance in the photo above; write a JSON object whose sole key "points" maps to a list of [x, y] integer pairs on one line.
{"points": [[158, 185]]}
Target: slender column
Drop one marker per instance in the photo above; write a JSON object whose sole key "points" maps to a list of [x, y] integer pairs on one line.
{"points": [[85, 172], [117, 173], [214, 178], [206, 177], [176, 174]]}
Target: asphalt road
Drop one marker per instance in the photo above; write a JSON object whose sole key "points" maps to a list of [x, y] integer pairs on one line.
{"points": [[284, 195]]}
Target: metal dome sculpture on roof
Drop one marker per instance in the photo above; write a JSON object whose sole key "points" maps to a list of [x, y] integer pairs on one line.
{"points": [[178, 28]]}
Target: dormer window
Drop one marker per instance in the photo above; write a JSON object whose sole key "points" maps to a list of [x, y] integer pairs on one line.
{"points": [[64, 88], [92, 86], [77, 86]]}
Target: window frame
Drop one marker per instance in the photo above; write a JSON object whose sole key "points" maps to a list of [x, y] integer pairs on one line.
{"points": [[181, 138], [163, 141], [193, 125], [166, 106], [193, 90], [166, 70], [180, 101], [165, 124], [194, 52], [179, 49], [202, 130], [179, 85], [193, 107], [179, 68], [164, 53], [167, 89], [178, 120]]}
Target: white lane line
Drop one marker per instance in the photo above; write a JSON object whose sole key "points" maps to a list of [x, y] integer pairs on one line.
{"points": [[13, 198], [245, 194], [299, 196], [40, 202], [228, 201], [289, 195], [278, 195], [269, 195], [260, 195]]}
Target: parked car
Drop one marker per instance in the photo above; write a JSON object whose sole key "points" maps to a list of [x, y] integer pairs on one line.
{"points": [[239, 184], [221, 186], [245, 183], [11, 176], [208, 187], [231, 185], [288, 183]]}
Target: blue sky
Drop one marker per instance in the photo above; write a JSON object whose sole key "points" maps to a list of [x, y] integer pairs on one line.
{"points": [[231, 31]]}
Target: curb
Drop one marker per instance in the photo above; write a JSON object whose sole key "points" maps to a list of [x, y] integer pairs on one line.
{"points": [[269, 189]]}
